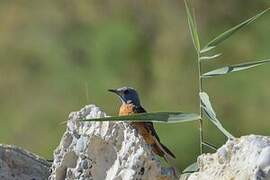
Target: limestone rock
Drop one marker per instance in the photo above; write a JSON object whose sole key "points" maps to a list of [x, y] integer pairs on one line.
{"points": [[245, 158], [19, 164], [104, 151]]}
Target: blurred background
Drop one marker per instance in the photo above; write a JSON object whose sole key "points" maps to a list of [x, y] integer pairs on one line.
{"points": [[57, 56]]}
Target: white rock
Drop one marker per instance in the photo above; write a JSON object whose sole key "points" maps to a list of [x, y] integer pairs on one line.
{"points": [[245, 158], [17, 163], [104, 151]]}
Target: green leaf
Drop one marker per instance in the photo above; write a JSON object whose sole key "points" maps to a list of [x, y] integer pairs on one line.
{"points": [[225, 35], [192, 26], [234, 68], [163, 117], [204, 50], [210, 113], [211, 146], [202, 58], [191, 168]]}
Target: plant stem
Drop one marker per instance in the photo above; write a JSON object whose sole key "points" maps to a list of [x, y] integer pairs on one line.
{"points": [[201, 114]]}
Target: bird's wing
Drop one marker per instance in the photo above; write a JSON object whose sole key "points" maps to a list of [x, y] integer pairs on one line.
{"points": [[139, 109], [149, 125], [150, 128]]}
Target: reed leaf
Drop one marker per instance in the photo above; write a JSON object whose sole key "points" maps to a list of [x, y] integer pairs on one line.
{"points": [[191, 168], [161, 117], [203, 58], [192, 26], [204, 50], [225, 35], [211, 146], [211, 115], [234, 68]]}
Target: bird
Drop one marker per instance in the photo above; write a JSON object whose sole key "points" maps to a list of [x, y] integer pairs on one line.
{"points": [[131, 105]]}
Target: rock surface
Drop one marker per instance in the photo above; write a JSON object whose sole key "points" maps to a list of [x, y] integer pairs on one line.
{"points": [[104, 151], [114, 151], [245, 158], [19, 164]]}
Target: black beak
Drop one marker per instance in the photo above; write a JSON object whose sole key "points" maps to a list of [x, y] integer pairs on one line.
{"points": [[118, 93], [113, 91]]}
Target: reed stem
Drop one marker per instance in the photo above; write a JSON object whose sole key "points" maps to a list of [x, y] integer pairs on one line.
{"points": [[200, 90]]}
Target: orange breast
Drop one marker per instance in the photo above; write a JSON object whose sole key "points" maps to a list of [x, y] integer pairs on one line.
{"points": [[126, 109]]}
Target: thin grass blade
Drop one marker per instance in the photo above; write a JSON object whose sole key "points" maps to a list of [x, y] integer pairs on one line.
{"points": [[191, 168], [211, 146], [204, 50], [225, 35], [161, 117], [234, 68], [192, 26], [203, 58], [210, 113]]}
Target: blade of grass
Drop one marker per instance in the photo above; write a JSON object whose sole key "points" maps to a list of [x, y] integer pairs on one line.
{"points": [[211, 146], [203, 58], [191, 168], [210, 113], [192, 27], [234, 68], [225, 35], [161, 117], [204, 50]]}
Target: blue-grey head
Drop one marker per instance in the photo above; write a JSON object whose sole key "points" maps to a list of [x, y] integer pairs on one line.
{"points": [[127, 95]]}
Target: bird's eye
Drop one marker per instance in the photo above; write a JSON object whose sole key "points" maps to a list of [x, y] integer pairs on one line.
{"points": [[126, 91]]}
